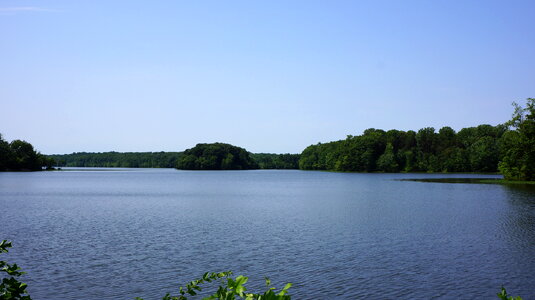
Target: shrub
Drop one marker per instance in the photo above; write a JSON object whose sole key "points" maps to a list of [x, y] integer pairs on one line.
{"points": [[10, 287], [228, 289]]}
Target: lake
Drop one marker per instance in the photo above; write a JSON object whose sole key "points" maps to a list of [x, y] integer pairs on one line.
{"points": [[122, 233]]}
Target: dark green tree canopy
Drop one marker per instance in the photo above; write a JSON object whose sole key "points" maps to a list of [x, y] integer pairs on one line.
{"points": [[118, 159], [509, 147], [21, 156], [276, 161], [216, 156], [474, 149], [518, 146]]}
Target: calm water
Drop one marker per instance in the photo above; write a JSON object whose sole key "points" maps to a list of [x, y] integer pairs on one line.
{"points": [[143, 232]]}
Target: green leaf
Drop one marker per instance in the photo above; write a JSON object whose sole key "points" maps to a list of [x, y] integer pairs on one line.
{"points": [[241, 280]]}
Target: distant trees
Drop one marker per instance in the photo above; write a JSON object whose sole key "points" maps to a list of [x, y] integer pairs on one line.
{"points": [[484, 148], [165, 160], [216, 156], [118, 159], [276, 161], [20, 156], [509, 147], [474, 149], [518, 145]]}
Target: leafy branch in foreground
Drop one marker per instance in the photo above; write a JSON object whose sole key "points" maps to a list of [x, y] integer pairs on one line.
{"points": [[503, 295], [10, 287], [228, 289]]}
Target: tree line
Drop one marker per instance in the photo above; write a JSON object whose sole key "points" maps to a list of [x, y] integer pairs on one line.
{"points": [[21, 156], [276, 161], [473, 149], [118, 159], [161, 160], [509, 148]]}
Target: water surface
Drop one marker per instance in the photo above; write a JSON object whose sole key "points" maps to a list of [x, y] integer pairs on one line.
{"points": [[122, 233]]}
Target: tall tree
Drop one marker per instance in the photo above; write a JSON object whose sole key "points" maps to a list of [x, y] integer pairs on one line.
{"points": [[387, 161], [518, 161]]}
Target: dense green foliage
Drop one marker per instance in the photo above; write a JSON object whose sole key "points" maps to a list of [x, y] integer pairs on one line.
{"points": [[276, 161], [509, 147], [228, 289], [160, 160], [474, 149], [518, 154], [216, 156], [20, 156], [118, 159], [10, 287]]}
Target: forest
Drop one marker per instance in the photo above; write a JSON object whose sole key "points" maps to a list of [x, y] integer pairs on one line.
{"points": [[20, 156], [508, 148], [118, 159], [276, 161], [160, 160], [473, 149]]}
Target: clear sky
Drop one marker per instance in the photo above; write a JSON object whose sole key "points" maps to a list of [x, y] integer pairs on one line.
{"points": [[269, 76]]}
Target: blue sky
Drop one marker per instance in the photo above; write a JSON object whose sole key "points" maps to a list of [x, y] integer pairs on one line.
{"points": [[269, 76]]}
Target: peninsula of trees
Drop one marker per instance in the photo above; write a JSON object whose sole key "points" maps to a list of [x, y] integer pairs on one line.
{"points": [[20, 156]]}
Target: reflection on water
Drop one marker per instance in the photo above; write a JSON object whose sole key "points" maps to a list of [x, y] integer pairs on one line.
{"points": [[519, 220], [521, 192], [455, 180], [128, 233], [530, 188]]}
